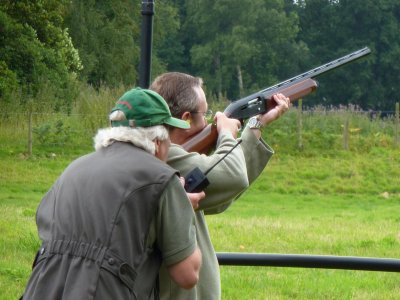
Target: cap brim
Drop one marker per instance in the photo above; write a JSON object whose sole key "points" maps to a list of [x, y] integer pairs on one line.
{"points": [[174, 122]]}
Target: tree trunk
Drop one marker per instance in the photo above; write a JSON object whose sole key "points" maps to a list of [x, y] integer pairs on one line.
{"points": [[240, 80]]}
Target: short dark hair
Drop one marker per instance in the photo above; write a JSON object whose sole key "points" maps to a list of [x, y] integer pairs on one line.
{"points": [[178, 91]]}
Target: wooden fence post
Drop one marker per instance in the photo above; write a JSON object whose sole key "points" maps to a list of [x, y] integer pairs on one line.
{"points": [[346, 133], [30, 130], [397, 126], [300, 124]]}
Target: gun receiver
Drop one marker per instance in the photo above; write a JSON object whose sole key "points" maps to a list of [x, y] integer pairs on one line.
{"points": [[260, 102]]}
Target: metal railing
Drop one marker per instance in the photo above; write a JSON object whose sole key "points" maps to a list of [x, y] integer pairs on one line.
{"points": [[310, 261]]}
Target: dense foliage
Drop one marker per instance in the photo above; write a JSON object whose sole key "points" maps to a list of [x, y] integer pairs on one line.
{"points": [[238, 47], [36, 51], [342, 26]]}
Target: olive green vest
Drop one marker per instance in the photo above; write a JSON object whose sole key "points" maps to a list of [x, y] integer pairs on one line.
{"points": [[94, 224]]}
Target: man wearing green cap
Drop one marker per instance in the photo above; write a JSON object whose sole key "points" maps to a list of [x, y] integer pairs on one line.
{"points": [[116, 214]]}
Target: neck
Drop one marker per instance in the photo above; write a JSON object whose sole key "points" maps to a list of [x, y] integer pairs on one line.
{"points": [[180, 136]]}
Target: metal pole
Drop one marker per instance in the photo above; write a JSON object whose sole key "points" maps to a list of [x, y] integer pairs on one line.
{"points": [[310, 261], [146, 43]]}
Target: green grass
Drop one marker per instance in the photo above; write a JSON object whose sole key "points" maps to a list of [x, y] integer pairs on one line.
{"points": [[346, 205], [273, 216], [310, 224], [23, 182]]}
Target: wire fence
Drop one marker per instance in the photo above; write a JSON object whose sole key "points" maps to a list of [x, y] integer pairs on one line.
{"points": [[27, 132], [351, 123], [339, 128]]}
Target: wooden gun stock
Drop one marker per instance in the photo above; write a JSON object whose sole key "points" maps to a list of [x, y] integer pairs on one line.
{"points": [[204, 141]]}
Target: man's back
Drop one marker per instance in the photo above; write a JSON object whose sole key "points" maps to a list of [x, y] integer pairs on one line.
{"points": [[95, 224]]}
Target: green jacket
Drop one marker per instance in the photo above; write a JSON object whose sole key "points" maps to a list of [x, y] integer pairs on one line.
{"points": [[228, 180]]}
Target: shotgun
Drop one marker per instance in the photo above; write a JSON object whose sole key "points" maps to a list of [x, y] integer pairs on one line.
{"points": [[260, 102]]}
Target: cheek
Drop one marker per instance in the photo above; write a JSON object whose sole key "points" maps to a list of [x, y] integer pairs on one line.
{"points": [[200, 123], [204, 123]]}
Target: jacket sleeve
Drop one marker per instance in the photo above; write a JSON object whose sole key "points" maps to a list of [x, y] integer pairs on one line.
{"points": [[227, 179], [231, 177], [176, 232], [257, 154]]}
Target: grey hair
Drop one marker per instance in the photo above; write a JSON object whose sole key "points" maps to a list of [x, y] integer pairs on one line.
{"points": [[117, 115], [142, 137]]}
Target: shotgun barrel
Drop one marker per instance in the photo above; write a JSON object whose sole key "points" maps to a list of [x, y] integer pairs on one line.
{"points": [[256, 103]]}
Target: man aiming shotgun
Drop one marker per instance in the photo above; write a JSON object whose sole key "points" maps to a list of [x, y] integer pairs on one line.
{"points": [[186, 99]]}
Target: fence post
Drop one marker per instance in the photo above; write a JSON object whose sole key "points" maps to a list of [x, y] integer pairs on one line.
{"points": [[300, 124], [397, 126], [346, 133], [30, 129]]}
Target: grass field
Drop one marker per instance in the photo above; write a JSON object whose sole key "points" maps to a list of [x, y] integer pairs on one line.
{"points": [[322, 202], [331, 214], [323, 210]]}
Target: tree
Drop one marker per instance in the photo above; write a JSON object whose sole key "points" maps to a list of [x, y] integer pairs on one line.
{"points": [[36, 51], [107, 36], [243, 43], [334, 28], [168, 38]]}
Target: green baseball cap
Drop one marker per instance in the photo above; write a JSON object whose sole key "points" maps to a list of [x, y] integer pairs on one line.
{"points": [[144, 108]]}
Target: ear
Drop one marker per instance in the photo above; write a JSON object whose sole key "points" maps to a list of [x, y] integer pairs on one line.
{"points": [[157, 146], [187, 116]]}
